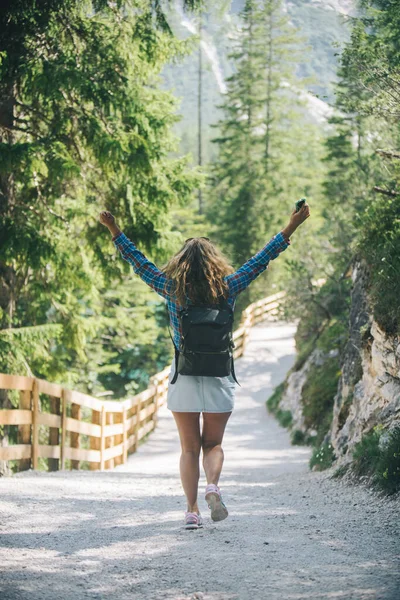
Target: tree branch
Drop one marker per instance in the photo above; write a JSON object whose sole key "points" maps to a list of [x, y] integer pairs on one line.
{"points": [[388, 154], [380, 190]]}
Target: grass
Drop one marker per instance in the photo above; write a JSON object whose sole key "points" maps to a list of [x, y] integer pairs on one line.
{"points": [[377, 456], [341, 471]]}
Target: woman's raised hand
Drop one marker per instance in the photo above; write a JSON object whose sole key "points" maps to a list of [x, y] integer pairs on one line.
{"points": [[106, 218], [297, 218]]}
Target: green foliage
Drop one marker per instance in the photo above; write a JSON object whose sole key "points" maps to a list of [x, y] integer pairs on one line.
{"points": [[366, 453], [84, 126], [284, 417], [326, 338], [265, 151], [380, 247], [359, 219], [370, 68], [322, 458], [37, 343], [299, 438], [387, 474], [324, 318], [377, 456], [318, 395], [275, 398]]}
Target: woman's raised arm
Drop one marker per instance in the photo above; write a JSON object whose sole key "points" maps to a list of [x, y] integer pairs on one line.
{"points": [[241, 279], [146, 270]]}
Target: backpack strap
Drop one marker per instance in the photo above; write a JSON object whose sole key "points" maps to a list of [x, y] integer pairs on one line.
{"points": [[175, 377], [233, 372], [223, 302]]}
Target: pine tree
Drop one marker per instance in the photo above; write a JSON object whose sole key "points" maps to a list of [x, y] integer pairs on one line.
{"points": [[83, 127], [255, 141]]}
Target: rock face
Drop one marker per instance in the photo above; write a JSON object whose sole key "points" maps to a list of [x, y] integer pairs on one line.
{"points": [[292, 396], [369, 388], [368, 391]]}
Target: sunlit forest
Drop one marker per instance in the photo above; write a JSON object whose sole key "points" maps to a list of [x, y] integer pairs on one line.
{"points": [[190, 119]]}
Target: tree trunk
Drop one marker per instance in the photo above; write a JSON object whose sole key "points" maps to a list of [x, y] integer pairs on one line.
{"points": [[199, 112], [269, 95], [7, 273]]}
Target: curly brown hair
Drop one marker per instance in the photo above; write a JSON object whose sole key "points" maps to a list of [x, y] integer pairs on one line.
{"points": [[197, 271]]}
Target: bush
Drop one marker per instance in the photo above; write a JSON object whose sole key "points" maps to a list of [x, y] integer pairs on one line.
{"points": [[377, 455], [323, 457], [300, 438], [318, 396], [284, 417], [387, 476], [366, 454], [275, 398]]}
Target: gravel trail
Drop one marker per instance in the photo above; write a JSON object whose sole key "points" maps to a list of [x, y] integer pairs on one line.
{"points": [[291, 533]]}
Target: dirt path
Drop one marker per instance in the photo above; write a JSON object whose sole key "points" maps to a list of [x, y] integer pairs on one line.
{"points": [[291, 534]]}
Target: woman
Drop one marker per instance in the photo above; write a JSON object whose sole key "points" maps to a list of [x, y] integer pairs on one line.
{"points": [[200, 273]]}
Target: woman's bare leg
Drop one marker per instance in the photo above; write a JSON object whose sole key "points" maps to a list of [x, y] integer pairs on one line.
{"points": [[211, 440], [188, 424]]}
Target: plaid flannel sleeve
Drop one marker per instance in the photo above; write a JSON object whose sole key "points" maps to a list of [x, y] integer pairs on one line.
{"points": [[251, 269], [141, 265]]}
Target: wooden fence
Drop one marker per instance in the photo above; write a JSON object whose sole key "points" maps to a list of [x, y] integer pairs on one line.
{"points": [[63, 425]]}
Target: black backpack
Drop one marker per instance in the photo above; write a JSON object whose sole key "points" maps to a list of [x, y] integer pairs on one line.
{"points": [[206, 346]]}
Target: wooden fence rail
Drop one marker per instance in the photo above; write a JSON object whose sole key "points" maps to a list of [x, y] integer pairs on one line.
{"points": [[60, 425]]}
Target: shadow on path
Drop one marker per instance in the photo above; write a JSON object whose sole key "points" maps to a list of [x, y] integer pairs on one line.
{"points": [[117, 535]]}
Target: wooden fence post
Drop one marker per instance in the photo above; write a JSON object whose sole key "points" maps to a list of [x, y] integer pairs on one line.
{"points": [[156, 384], [102, 439], [64, 396], [54, 432], [137, 426], [124, 437], [35, 424], [119, 438], [24, 431], [109, 441], [95, 441], [74, 437]]}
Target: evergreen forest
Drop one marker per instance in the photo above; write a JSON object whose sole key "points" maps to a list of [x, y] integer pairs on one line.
{"points": [[184, 119]]}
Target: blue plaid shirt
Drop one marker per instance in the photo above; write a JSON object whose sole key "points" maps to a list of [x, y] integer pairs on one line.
{"points": [[237, 281]]}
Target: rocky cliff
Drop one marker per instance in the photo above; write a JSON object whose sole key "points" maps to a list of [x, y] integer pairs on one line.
{"points": [[368, 390]]}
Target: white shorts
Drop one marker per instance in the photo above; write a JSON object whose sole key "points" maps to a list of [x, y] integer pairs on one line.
{"points": [[192, 393]]}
